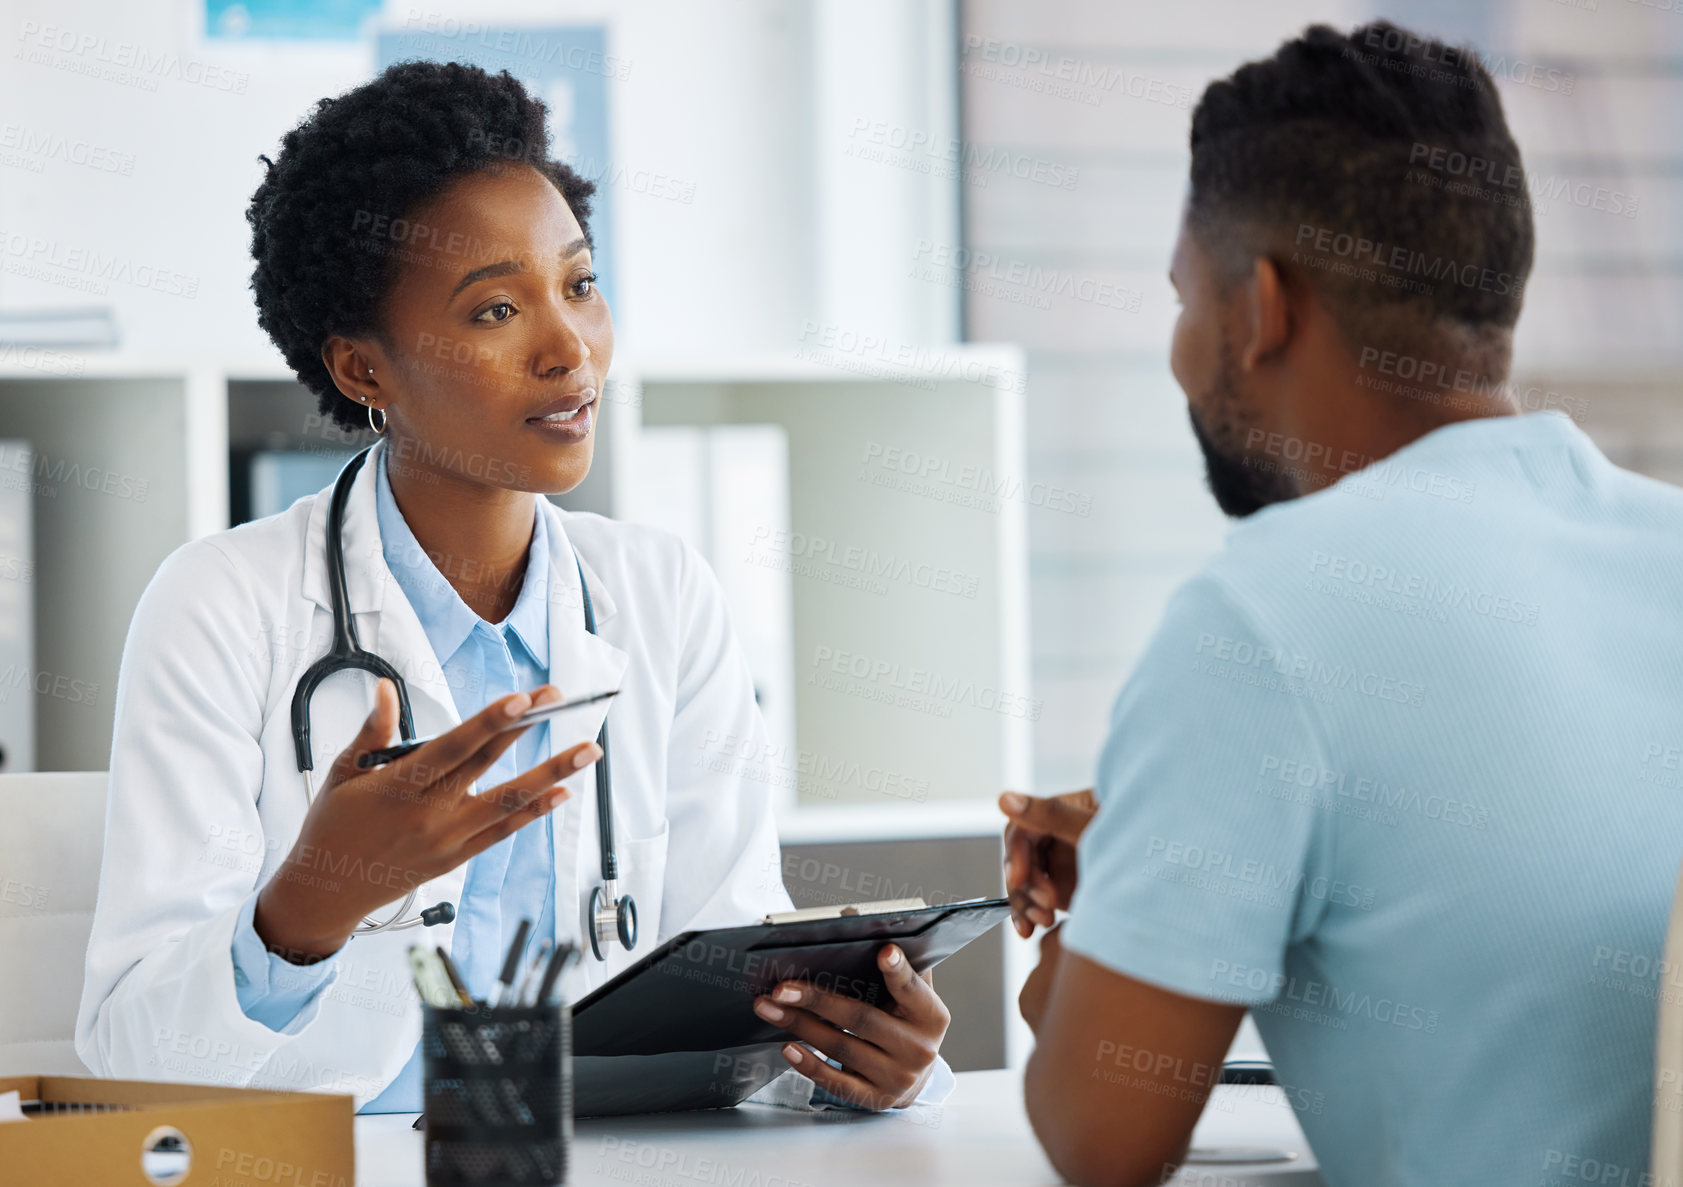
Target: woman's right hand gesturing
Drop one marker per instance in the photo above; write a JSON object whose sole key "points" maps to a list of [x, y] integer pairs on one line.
{"points": [[374, 835]]}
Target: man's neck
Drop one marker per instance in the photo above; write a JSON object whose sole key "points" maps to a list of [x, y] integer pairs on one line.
{"points": [[1352, 431]]}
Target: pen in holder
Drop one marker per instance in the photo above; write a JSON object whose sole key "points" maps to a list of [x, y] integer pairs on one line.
{"points": [[499, 1093]]}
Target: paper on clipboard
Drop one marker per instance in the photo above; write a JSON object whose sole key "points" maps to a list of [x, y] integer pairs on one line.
{"points": [[885, 906]]}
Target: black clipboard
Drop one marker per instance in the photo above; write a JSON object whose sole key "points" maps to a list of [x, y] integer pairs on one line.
{"points": [[677, 1030]]}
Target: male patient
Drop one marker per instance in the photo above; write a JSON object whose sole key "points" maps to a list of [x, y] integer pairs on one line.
{"points": [[1398, 770]]}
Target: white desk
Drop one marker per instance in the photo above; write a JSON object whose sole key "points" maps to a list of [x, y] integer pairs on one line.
{"points": [[979, 1138]]}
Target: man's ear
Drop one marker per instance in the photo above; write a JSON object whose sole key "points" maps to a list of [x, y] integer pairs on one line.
{"points": [[1269, 315]]}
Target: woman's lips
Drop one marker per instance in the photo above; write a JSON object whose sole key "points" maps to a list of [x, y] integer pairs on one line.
{"points": [[567, 428]]}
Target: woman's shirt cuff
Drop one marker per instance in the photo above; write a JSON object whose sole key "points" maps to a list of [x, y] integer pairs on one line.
{"points": [[939, 1087], [271, 989]]}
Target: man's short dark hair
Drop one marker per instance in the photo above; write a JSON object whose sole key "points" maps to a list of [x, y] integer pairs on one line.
{"points": [[1379, 166], [330, 223]]}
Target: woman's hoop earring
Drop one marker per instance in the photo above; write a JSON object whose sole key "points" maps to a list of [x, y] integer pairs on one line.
{"points": [[378, 428]]}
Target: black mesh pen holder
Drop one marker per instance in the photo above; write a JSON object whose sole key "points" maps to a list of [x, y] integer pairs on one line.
{"points": [[499, 1094]]}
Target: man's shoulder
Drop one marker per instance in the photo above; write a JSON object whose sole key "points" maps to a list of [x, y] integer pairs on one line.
{"points": [[1389, 547], [1266, 576], [1270, 554]]}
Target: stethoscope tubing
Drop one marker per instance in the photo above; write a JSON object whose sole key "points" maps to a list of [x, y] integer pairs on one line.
{"points": [[346, 654]]}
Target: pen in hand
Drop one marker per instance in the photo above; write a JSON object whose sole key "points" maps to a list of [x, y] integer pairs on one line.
{"points": [[375, 758]]}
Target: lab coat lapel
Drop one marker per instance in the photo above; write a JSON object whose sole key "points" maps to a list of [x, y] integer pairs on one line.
{"points": [[361, 538], [384, 613], [579, 663], [387, 625]]}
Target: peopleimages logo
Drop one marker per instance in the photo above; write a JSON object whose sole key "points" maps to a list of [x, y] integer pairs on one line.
{"points": [[808, 555], [1327, 782], [882, 461], [1032, 68], [924, 686], [1447, 63], [1492, 180], [806, 771], [982, 266], [1262, 875], [1424, 587], [1575, 1168], [1217, 654], [1395, 263], [1386, 471], [840, 346], [1438, 382], [1286, 989], [950, 156]]}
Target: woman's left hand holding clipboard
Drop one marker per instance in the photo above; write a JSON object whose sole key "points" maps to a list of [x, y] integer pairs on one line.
{"points": [[887, 1054]]}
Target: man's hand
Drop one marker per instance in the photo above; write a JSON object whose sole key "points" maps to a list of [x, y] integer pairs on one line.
{"points": [[886, 1054], [1031, 1002], [1040, 842]]}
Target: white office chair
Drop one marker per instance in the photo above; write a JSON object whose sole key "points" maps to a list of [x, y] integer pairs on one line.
{"points": [[52, 832], [1667, 1153]]}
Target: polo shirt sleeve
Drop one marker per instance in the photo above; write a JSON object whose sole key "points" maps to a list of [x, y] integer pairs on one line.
{"points": [[1202, 866]]}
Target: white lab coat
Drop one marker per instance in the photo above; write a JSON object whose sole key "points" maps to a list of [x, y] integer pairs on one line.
{"points": [[206, 798]]}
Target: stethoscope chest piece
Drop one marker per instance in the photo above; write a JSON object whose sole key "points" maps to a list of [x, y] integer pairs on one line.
{"points": [[611, 917]]}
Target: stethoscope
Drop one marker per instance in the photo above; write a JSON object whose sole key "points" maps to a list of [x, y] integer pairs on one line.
{"points": [[612, 915]]}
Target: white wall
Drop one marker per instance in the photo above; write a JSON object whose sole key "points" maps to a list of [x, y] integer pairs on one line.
{"points": [[745, 105]]}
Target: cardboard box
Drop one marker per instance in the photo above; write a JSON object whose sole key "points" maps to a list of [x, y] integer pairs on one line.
{"points": [[235, 1137]]}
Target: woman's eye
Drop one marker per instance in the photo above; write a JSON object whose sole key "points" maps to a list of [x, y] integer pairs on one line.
{"points": [[485, 314], [584, 286]]}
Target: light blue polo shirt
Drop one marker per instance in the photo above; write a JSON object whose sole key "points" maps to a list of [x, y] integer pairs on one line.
{"points": [[1402, 771]]}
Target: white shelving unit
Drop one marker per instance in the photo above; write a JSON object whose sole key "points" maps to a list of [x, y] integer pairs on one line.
{"points": [[910, 694], [119, 477], [135, 454], [910, 619]]}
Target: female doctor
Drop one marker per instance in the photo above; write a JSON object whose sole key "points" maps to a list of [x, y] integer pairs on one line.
{"points": [[426, 271]]}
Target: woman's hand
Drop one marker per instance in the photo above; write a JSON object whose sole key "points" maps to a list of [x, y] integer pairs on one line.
{"points": [[1040, 842], [886, 1054], [371, 836]]}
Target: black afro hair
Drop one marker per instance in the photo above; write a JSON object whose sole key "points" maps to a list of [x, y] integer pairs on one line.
{"points": [[326, 220], [1334, 139]]}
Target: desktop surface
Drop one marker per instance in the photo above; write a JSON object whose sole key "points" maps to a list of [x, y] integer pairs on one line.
{"points": [[979, 1138]]}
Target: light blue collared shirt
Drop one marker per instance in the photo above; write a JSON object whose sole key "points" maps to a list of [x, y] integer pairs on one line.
{"points": [[513, 879]]}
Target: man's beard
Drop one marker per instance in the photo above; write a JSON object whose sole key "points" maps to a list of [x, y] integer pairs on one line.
{"points": [[1241, 484]]}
